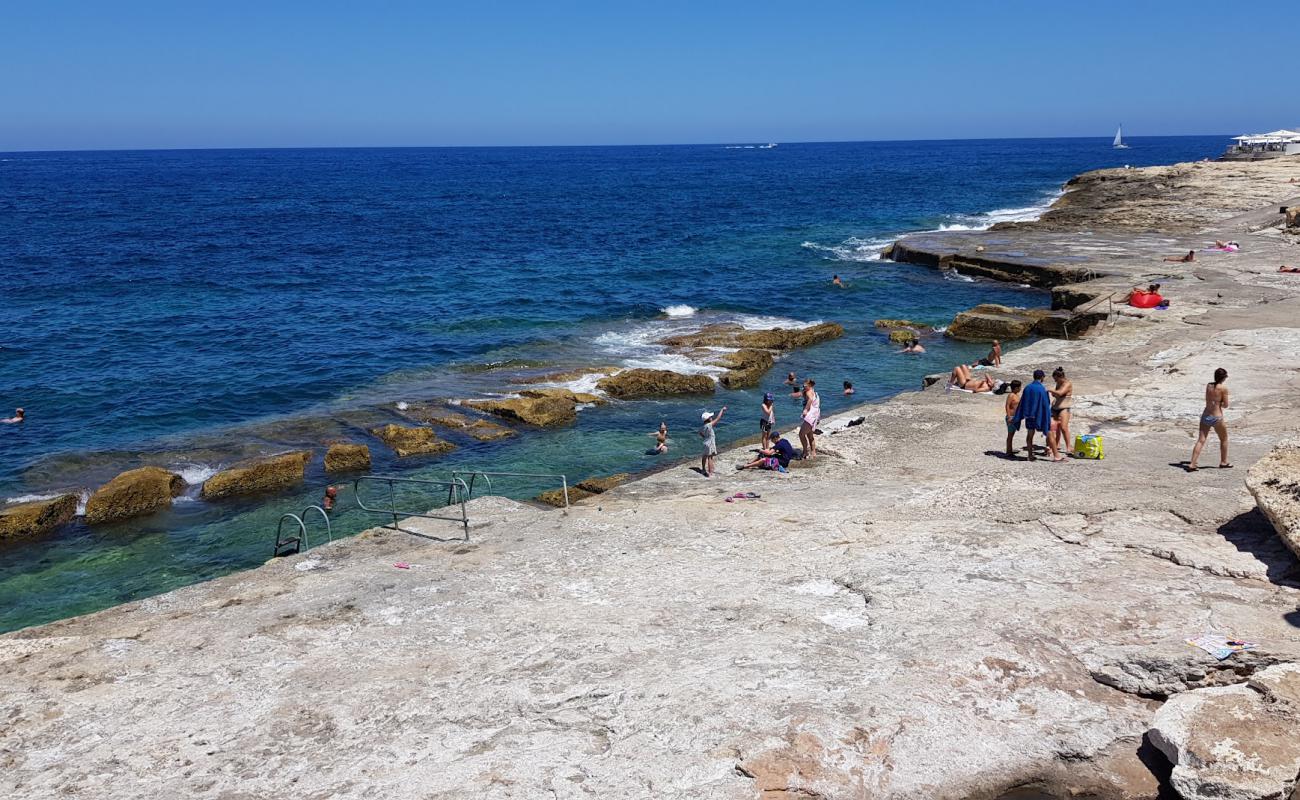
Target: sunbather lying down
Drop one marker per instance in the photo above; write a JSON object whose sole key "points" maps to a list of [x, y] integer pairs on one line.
{"points": [[1285, 268], [961, 378]]}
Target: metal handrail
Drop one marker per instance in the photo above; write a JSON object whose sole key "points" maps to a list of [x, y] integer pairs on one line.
{"points": [[329, 531], [487, 477], [457, 493], [300, 543]]}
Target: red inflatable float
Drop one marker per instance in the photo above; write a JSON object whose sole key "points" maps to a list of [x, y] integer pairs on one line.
{"points": [[1145, 299]]}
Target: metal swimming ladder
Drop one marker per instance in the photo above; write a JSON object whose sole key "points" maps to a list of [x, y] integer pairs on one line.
{"points": [[457, 494], [300, 542], [487, 478]]}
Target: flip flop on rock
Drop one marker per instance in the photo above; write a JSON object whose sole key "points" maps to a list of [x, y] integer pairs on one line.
{"points": [[1225, 466]]}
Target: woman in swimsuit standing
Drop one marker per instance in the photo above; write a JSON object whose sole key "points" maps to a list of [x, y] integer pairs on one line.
{"points": [[1062, 402], [812, 414], [1216, 402]]}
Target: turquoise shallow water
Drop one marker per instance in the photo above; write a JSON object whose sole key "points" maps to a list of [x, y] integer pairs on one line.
{"points": [[190, 307]]}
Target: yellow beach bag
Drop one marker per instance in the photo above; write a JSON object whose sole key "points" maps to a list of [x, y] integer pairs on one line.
{"points": [[1088, 445]]}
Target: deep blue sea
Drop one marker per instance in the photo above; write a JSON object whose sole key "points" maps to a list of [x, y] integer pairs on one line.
{"points": [[189, 308]]}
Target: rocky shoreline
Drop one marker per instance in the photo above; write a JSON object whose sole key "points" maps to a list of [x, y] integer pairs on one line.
{"points": [[907, 616]]}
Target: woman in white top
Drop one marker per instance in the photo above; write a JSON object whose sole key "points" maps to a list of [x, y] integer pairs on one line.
{"points": [[812, 414]]}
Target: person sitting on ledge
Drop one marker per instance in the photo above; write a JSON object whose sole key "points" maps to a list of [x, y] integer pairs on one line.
{"points": [[777, 456], [961, 378], [1191, 256], [993, 359]]}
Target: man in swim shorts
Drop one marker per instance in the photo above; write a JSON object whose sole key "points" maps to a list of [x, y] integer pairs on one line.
{"points": [[1013, 425]]}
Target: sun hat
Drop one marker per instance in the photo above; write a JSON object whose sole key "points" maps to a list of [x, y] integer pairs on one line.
{"points": [[706, 416]]}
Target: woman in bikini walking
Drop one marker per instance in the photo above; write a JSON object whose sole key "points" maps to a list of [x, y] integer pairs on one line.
{"points": [[1216, 402]]}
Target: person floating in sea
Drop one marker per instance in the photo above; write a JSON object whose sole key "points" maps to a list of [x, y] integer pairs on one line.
{"points": [[661, 439], [1191, 256], [1013, 425], [775, 457], [961, 378], [331, 497], [993, 359], [1035, 410], [913, 347], [791, 380], [1216, 402], [848, 387], [19, 416], [835, 280], [710, 437], [1062, 401], [812, 414], [767, 417]]}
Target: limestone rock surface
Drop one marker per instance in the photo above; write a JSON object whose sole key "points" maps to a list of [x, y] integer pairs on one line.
{"points": [[565, 394], [989, 321], [733, 335], [544, 412], [22, 520], [1240, 742], [582, 489], [1274, 480], [347, 457], [634, 383], [409, 441], [890, 324], [258, 475], [133, 493]]}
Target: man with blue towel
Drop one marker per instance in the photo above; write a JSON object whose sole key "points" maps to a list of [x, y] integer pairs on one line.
{"points": [[1035, 410]]}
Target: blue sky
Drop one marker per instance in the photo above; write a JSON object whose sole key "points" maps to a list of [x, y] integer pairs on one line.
{"points": [[126, 74]]}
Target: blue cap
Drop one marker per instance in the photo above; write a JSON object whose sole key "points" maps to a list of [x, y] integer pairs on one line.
{"points": [[767, 397], [1039, 374]]}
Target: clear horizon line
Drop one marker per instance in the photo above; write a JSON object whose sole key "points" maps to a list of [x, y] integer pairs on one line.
{"points": [[638, 144]]}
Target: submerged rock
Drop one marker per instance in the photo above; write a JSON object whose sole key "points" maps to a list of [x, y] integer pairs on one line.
{"points": [[1240, 741], [133, 493], [567, 375], [484, 431], [544, 412], [260, 475], [347, 457], [1274, 480], [407, 441], [654, 382], [744, 367], [989, 321], [22, 520]]}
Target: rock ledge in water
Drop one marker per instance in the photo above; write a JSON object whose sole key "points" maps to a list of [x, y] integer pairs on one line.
{"points": [[544, 412], [347, 457], [407, 441], [269, 474], [133, 493], [33, 519], [653, 383]]}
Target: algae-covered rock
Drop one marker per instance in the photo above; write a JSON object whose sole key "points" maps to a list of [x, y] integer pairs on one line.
{"points": [[744, 367], [564, 376], [347, 457], [407, 441], [22, 520], [544, 412], [602, 485], [555, 497], [1274, 480], [484, 431], [133, 493], [733, 335], [564, 394], [259, 475], [989, 321], [902, 335], [887, 324], [654, 383]]}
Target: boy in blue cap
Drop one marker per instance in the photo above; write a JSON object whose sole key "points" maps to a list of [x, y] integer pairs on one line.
{"points": [[1035, 410]]}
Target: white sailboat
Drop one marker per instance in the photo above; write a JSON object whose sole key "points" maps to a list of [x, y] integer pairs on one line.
{"points": [[1118, 144]]}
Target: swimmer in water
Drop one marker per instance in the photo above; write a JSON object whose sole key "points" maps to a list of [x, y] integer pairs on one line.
{"points": [[661, 439], [19, 416], [835, 279]]}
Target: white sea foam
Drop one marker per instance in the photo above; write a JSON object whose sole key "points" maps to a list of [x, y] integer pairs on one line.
{"points": [[194, 474], [82, 498], [682, 310], [851, 249], [954, 275], [402, 405], [31, 498]]}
